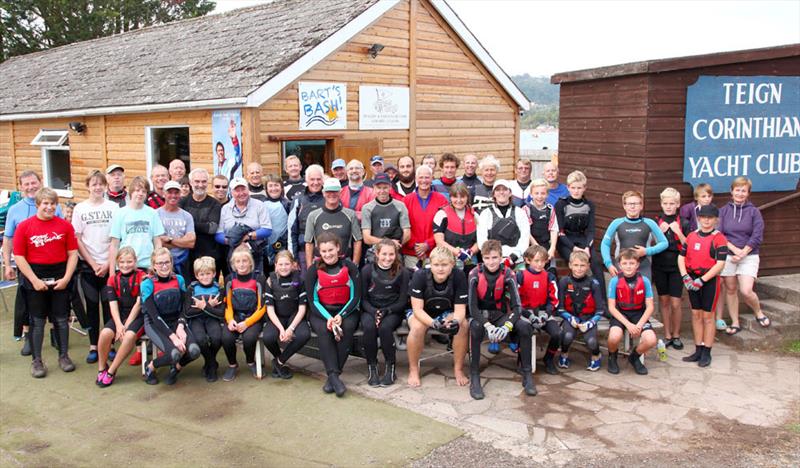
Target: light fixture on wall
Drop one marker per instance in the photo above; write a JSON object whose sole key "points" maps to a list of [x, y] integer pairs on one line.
{"points": [[375, 50], [77, 127]]}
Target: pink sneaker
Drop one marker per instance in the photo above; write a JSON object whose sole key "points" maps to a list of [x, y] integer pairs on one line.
{"points": [[101, 375], [108, 379]]}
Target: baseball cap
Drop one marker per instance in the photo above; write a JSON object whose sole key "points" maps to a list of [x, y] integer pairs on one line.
{"points": [[172, 184], [338, 163], [381, 178], [376, 159], [501, 182], [237, 182], [332, 184], [113, 168], [389, 167], [708, 210]]}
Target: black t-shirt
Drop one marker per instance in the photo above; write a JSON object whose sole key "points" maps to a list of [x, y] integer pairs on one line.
{"points": [[206, 221], [419, 285]]}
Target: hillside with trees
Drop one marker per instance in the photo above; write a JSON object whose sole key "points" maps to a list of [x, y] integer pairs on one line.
{"points": [[544, 97]]}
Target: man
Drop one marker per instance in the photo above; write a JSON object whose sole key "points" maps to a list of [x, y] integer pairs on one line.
{"points": [[333, 217], [406, 176], [306, 202], [376, 166], [556, 190], [391, 170], [385, 217], [422, 205], [470, 177], [179, 235], [339, 171], [220, 189], [244, 220], [115, 174], [177, 169], [159, 175], [205, 212], [520, 187], [448, 163], [293, 185], [489, 167], [255, 184], [356, 194]]}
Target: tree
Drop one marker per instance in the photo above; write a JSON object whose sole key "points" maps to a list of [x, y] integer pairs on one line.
{"points": [[32, 25]]}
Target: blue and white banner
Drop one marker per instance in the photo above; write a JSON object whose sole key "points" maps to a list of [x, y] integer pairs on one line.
{"points": [[323, 106], [743, 126]]}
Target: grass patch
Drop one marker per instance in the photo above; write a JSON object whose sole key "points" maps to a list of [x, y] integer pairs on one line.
{"points": [[793, 347], [794, 428]]}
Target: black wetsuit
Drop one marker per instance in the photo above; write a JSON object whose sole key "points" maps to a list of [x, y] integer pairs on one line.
{"points": [[387, 295]]}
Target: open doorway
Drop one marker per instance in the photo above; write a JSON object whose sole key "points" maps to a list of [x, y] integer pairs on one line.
{"points": [[309, 151]]}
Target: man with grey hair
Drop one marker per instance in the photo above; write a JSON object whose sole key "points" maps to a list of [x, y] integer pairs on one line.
{"points": [[356, 194], [556, 190], [205, 211], [177, 169], [159, 176], [307, 201], [255, 183], [422, 205], [470, 177]]}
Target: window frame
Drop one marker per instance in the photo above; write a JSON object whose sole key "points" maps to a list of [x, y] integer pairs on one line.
{"points": [[46, 174], [62, 134], [148, 143]]}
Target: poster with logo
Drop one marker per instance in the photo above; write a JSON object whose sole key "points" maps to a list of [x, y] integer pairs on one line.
{"points": [[323, 106], [226, 136], [383, 108]]}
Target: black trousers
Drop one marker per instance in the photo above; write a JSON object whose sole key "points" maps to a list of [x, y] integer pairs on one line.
{"points": [[249, 341], [385, 331], [272, 341], [523, 330], [88, 288], [172, 355], [207, 332], [50, 304], [551, 328], [334, 353]]}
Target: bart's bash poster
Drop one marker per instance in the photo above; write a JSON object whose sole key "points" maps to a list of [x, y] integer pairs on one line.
{"points": [[323, 106], [226, 133]]}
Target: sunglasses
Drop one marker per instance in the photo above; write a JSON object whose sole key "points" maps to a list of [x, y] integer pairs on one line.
{"points": [[220, 186]]}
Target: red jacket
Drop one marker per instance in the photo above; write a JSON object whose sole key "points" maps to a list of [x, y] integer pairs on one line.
{"points": [[365, 196], [422, 219]]}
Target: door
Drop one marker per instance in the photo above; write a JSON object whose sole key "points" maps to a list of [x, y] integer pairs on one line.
{"points": [[362, 149]]}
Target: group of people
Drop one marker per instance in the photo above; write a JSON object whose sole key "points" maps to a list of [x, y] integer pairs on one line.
{"points": [[469, 257]]}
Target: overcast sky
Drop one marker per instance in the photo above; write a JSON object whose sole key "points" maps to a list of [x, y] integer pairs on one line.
{"points": [[547, 37]]}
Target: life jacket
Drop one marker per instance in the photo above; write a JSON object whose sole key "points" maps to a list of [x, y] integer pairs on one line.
{"points": [[198, 290], [333, 289], [701, 254], [461, 233], [541, 224], [383, 290], [504, 230], [168, 298], [630, 298], [578, 298], [243, 296], [497, 293], [438, 302], [285, 293], [127, 291], [533, 289]]}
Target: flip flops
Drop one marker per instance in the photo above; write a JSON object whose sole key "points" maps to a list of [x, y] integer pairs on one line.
{"points": [[721, 325], [764, 321], [733, 330]]}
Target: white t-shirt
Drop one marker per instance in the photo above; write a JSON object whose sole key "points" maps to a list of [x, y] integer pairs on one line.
{"points": [[92, 225]]}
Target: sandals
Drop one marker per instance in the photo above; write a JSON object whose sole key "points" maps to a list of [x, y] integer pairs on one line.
{"points": [[763, 321], [733, 330], [721, 325]]}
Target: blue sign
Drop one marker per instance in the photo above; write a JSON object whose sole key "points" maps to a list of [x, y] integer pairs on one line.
{"points": [[743, 126]]}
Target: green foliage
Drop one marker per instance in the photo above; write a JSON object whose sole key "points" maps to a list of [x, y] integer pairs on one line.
{"points": [[31, 25], [544, 97], [540, 115], [793, 347]]}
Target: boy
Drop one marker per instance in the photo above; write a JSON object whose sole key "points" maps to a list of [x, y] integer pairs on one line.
{"points": [[700, 261], [581, 305], [703, 195], [665, 267], [630, 302], [494, 307], [204, 311], [635, 232], [538, 293], [544, 225]]}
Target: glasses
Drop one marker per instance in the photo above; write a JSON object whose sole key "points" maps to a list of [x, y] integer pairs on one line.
{"points": [[163, 264], [220, 186]]}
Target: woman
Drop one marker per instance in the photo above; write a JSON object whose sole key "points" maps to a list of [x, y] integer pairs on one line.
{"points": [[162, 303], [285, 296], [455, 228], [506, 223], [334, 291], [92, 223], [278, 208], [482, 193], [741, 223], [46, 253], [384, 284]]}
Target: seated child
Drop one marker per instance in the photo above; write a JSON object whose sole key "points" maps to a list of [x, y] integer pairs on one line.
{"points": [[204, 311], [539, 298], [581, 304]]}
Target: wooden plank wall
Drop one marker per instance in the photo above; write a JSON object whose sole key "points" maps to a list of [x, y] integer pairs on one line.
{"points": [[8, 181]]}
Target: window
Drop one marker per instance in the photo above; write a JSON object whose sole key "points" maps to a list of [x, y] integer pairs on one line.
{"points": [[165, 144], [56, 169], [50, 138]]}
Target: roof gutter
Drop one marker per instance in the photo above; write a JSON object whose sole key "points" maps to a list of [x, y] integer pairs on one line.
{"points": [[137, 109]]}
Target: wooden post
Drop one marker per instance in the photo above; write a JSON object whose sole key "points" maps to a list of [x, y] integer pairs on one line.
{"points": [[250, 145], [412, 80]]}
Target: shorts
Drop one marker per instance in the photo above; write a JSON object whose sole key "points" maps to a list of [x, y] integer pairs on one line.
{"points": [[668, 283], [410, 261], [706, 298], [632, 317], [136, 326], [747, 267]]}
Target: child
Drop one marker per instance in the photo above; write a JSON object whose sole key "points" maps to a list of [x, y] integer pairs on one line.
{"points": [[286, 301], [122, 294], [204, 310], [538, 293], [700, 261], [162, 302], [544, 225], [581, 305], [635, 232], [630, 302], [703, 195], [244, 311], [494, 307], [666, 277]]}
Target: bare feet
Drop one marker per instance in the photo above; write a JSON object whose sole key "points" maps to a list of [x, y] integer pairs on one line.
{"points": [[461, 379], [413, 379]]}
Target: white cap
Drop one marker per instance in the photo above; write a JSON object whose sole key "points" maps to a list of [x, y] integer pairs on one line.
{"points": [[332, 184], [172, 184], [238, 182], [501, 182]]}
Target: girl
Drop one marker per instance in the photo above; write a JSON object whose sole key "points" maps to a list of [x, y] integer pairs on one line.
{"points": [[385, 298], [244, 311], [460, 236], [334, 290], [204, 311], [121, 293], [162, 301], [285, 296]]}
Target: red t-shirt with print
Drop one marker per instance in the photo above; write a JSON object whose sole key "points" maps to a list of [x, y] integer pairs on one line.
{"points": [[44, 242]]}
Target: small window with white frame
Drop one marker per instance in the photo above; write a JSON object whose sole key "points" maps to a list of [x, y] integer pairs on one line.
{"points": [[56, 169], [51, 138], [163, 144]]}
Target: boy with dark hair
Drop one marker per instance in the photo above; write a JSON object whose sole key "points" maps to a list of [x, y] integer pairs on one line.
{"points": [[630, 302], [538, 293], [581, 304], [494, 307]]}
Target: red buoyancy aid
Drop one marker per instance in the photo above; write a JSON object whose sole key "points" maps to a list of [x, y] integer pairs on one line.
{"points": [[630, 299], [460, 233], [127, 292], [701, 253], [533, 289], [245, 296], [333, 289], [499, 287], [578, 298]]}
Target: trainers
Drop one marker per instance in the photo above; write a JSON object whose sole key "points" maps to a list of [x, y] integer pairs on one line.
{"points": [[26, 345], [389, 375], [112, 353], [705, 357], [494, 348], [550, 364], [564, 362], [613, 366], [150, 376], [100, 376], [253, 369], [667, 342], [514, 347], [400, 343], [373, 380], [91, 358], [230, 373], [338, 386], [637, 363], [677, 343], [594, 364], [279, 371], [38, 369], [65, 363], [527, 383], [136, 359], [475, 390], [328, 387], [172, 377], [108, 379], [211, 372], [694, 357]]}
